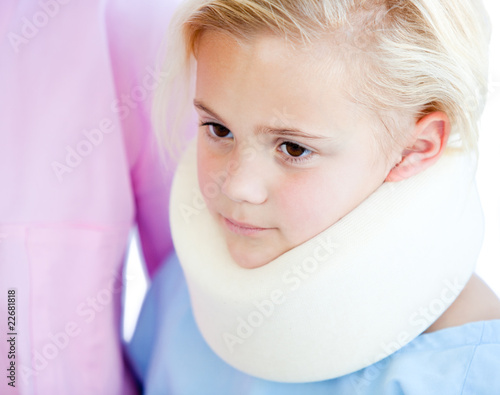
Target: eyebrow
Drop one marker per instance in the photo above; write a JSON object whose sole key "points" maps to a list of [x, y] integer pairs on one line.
{"points": [[283, 131], [204, 107]]}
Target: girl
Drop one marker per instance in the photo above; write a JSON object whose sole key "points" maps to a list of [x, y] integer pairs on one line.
{"points": [[326, 221]]}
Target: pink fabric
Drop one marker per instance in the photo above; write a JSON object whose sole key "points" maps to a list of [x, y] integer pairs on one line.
{"points": [[70, 193]]}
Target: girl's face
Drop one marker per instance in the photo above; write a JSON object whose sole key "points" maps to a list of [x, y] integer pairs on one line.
{"points": [[282, 155]]}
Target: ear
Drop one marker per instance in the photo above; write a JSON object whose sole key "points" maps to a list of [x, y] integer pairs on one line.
{"points": [[429, 139]]}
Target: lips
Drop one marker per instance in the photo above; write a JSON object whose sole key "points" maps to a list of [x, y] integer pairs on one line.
{"points": [[242, 228]]}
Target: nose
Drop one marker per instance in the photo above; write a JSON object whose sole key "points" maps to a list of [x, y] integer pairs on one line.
{"points": [[245, 181]]}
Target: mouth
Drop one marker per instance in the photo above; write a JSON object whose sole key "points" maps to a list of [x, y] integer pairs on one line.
{"points": [[241, 228]]}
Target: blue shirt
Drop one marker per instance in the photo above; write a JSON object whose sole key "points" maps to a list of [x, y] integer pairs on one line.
{"points": [[171, 357]]}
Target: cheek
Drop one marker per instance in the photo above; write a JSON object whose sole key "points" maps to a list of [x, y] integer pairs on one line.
{"points": [[213, 170], [207, 166], [307, 205]]}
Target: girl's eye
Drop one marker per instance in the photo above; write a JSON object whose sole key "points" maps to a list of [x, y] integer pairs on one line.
{"points": [[217, 130], [294, 150]]}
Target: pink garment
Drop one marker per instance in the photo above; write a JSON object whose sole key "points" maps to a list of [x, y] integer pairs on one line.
{"points": [[78, 169]]}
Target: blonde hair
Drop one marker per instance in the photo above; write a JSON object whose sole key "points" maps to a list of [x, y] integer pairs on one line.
{"points": [[410, 56]]}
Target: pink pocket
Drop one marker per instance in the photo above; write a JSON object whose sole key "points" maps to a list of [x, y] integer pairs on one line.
{"points": [[69, 284]]}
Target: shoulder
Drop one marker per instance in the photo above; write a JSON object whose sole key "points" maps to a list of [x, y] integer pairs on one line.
{"points": [[458, 360], [485, 362]]}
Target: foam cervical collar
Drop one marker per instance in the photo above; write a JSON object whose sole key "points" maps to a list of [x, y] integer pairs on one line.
{"points": [[348, 297]]}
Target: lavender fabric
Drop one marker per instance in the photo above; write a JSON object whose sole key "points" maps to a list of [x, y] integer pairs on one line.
{"points": [[78, 170]]}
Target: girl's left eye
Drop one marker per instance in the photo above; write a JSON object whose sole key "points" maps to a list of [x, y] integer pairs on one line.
{"points": [[294, 150]]}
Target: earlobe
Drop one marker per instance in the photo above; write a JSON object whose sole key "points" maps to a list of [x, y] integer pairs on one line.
{"points": [[429, 139]]}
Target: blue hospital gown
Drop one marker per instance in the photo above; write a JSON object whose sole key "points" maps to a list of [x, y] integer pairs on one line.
{"points": [[171, 357]]}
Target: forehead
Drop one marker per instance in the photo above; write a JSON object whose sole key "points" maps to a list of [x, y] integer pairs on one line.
{"points": [[270, 52], [268, 75]]}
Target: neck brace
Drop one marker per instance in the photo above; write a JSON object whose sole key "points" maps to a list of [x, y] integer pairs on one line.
{"points": [[345, 299]]}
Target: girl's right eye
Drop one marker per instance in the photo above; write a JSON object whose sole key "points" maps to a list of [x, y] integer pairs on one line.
{"points": [[218, 131]]}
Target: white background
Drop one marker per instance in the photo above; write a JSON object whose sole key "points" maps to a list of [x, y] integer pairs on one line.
{"points": [[488, 180]]}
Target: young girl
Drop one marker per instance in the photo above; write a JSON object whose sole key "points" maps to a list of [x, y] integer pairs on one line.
{"points": [[326, 221]]}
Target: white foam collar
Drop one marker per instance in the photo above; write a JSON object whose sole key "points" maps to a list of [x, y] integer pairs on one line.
{"points": [[345, 299]]}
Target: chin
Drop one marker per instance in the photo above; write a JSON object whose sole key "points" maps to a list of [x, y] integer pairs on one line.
{"points": [[249, 260]]}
